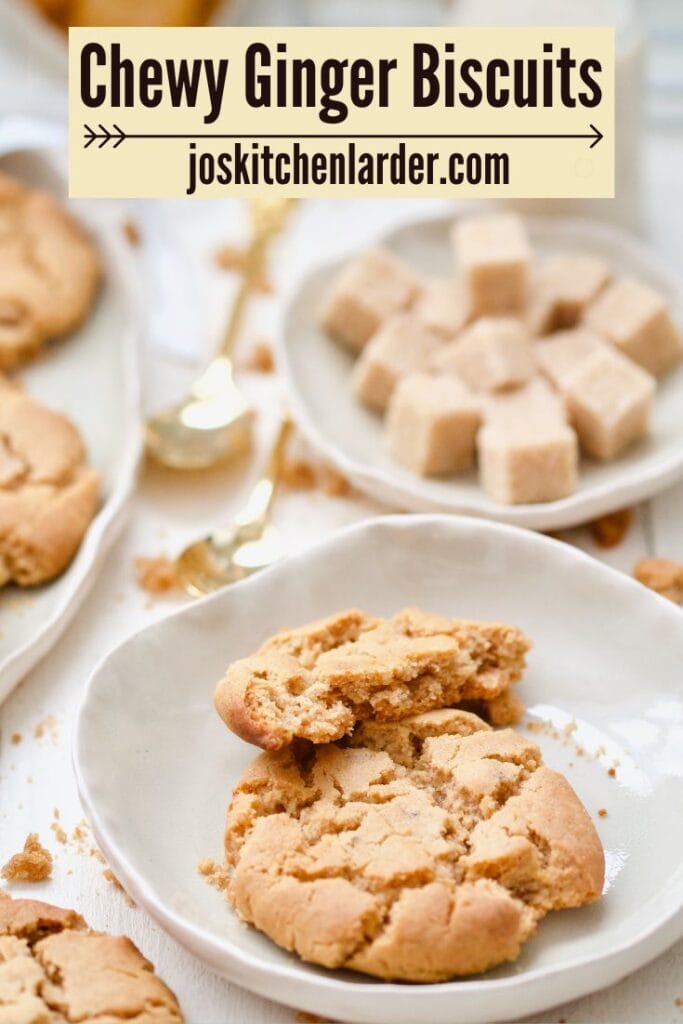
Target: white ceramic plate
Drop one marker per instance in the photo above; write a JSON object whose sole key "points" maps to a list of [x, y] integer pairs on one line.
{"points": [[317, 371], [93, 377], [607, 654]]}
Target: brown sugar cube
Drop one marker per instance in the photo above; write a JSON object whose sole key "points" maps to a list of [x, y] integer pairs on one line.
{"points": [[492, 355], [537, 461], [432, 424], [536, 400], [560, 354], [634, 317], [562, 291], [527, 451], [442, 306], [494, 256], [367, 291], [609, 400], [401, 346]]}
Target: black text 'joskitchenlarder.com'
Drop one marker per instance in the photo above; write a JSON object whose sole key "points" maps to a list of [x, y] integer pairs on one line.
{"points": [[259, 163]]}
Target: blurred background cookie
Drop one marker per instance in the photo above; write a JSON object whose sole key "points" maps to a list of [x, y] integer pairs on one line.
{"points": [[48, 496], [49, 271], [54, 968]]}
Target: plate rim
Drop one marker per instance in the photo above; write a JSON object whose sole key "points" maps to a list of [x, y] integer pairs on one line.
{"points": [[113, 512], [384, 485], [305, 989]]}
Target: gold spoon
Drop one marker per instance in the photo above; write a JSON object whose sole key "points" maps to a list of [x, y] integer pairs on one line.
{"points": [[249, 543], [215, 421]]}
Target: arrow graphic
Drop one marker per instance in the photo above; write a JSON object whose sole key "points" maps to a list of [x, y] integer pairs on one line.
{"points": [[117, 136], [103, 136]]}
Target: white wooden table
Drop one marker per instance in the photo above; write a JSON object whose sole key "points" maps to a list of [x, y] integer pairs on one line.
{"points": [[36, 775]]}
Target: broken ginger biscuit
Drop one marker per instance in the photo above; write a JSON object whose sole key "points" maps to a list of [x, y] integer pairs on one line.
{"points": [[317, 681], [461, 830]]}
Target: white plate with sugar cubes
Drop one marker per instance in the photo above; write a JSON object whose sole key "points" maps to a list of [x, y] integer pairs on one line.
{"points": [[594, 425]]}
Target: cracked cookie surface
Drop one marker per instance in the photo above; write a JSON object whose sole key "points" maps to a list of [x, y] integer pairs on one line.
{"points": [[48, 496], [49, 271], [54, 970], [418, 851], [317, 681]]}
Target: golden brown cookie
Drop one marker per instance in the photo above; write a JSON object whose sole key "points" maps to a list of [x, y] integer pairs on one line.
{"points": [[418, 852], [48, 496], [54, 970], [317, 681], [49, 271]]}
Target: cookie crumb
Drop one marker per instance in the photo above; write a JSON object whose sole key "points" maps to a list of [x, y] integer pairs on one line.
{"points": [[16, 738], [156, 575], [678, 1002], [260, 359], [609, 530], [612, 772], [113, 880], [298, 474], [662, 575], [215, 874], [131, 231], [33, 864], [60, 834], [335, 485], [47, 726], [602, 813], [233, 258]]}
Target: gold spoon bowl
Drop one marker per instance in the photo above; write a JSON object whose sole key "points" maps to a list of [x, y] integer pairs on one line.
{"points": [[214, 422], [247, 544]]}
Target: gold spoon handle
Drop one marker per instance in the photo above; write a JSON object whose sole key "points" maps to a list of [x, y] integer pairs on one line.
{"points": [[254, 514], [254, 262], [269, 217]]}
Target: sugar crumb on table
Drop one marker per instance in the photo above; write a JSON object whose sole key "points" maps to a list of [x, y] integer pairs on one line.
{"points": [[32, 864], [662, 575], [609, 530]]}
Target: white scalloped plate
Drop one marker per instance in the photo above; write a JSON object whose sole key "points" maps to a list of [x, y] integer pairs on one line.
{"points": [[93, 377], [155, 766], [317, 372]]}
